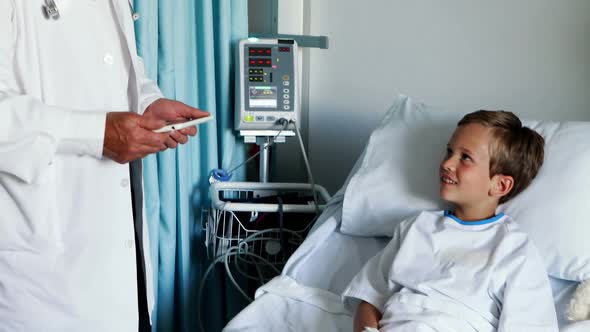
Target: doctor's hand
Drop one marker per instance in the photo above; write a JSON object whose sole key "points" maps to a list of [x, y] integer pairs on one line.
{"points": [[174, 111], [129, 136]]}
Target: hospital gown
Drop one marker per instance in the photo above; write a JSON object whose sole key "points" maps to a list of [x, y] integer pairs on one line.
{"points": [[439, 273]]}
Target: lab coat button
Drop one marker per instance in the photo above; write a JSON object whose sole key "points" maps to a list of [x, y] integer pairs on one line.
{"points": [[129, 244], [124, 183], [108, 59], [135, 16]]}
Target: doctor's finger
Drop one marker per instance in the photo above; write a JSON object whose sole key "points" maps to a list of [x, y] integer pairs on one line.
{"points": [[171, 143], [151, 139], [146, 149], [191, 112], [179, 137], [190, 131], [150, 123]]}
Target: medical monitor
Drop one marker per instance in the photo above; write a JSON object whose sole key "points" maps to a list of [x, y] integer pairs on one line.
{"points": [[267, 85]]}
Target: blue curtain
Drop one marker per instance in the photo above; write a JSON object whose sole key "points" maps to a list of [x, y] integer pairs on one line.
{"points": [[188, 47]]}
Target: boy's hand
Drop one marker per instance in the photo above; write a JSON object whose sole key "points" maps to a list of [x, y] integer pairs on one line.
{"points": [[366, 317]]}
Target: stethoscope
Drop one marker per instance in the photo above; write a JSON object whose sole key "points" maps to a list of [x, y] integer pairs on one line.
{"points": [[51, 12], [50, 9]]}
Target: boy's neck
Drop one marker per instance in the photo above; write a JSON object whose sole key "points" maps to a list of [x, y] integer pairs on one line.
{"points": [[474, 213]]}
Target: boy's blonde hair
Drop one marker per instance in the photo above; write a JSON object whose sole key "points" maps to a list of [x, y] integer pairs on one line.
{"points": [[515, 150]]}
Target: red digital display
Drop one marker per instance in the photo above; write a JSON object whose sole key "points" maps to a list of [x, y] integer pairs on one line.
{"points": [[260, 62], [260, 51]]}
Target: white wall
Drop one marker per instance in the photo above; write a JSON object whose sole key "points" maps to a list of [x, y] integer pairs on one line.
{"points": [[287, 164], [531, 57], [261, 16]]}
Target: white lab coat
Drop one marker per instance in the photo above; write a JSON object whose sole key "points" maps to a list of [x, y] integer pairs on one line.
{"points": [[67, 255]]}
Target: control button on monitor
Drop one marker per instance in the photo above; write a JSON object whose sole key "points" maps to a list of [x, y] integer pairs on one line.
{"points": [[260, 118], [249, 118], [286, 83], [286, 101], [285, 77], [285, 96], [270, 118], [286, 90], [286, 107]]}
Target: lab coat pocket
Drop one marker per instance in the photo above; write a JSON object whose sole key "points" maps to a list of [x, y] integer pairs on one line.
{"points": [[27, 213], [46, 175], [27, 165]]}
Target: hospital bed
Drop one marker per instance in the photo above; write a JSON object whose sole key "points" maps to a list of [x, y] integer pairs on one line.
{"points": [[306, 296]]}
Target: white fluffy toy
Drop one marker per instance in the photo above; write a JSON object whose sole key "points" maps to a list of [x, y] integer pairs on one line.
{"points": [[579, 307]]}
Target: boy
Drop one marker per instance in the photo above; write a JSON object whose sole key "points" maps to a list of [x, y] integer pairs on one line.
{"points": [[467, 269]]}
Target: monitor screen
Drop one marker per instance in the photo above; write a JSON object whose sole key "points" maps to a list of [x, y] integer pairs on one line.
{"points": [[263, 97]]}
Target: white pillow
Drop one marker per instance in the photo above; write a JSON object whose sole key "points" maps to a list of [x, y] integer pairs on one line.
{"points": [[398, 178]]}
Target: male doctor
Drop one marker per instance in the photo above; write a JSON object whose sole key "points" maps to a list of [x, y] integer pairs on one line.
{"points": [[75, 109]]}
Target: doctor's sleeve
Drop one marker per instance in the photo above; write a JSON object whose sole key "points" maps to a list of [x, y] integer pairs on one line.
{"points": [[148, 89], [372, 284], [528, 302], [31, 132]]}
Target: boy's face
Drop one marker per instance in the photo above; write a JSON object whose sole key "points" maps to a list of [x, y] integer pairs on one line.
{"points": [[465, 170]]}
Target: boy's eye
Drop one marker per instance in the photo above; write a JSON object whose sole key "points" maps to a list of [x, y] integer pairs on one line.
{"points": [[465, 157], [449, 151]]}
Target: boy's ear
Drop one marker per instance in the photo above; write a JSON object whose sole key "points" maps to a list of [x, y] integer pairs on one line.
{"points": [[501, 185]]}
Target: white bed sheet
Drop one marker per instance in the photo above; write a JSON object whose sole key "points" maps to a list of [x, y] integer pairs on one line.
{"points": [[306, 296]]}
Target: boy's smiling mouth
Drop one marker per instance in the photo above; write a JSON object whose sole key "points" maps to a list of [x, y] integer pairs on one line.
{"points": [[447, 180]]}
